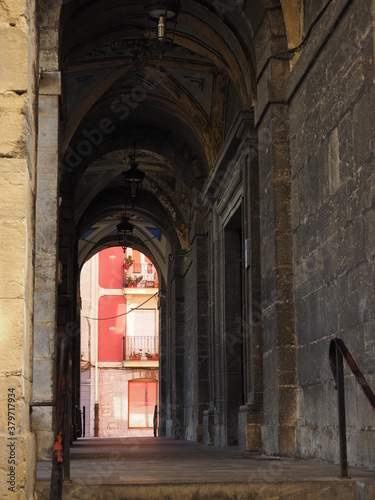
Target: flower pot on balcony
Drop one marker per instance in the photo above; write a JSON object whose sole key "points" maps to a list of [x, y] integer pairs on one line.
{"points": [[127, 266], [135, 358]]}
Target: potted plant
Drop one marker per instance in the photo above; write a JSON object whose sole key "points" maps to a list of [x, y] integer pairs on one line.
{"points": [[136, 355], [128, 261], [151, 356], [137, 280], [129, 281]]}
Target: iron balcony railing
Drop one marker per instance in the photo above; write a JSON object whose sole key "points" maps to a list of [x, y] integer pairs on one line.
{"points": [[140, 348]]}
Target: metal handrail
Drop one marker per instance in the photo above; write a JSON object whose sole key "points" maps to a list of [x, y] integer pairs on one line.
{"points": [[155, 421], [57, 474], [338, 351]]}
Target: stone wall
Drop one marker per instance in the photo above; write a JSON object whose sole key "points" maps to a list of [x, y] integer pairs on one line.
{"points": [[332, 99], [113, 401], [18, 80]]}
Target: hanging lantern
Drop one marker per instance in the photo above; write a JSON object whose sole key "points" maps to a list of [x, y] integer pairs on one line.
{"points": [[133, 179], [124, 230]]}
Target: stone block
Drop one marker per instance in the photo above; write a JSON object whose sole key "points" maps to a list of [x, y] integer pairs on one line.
{"points": [[11, 339], [48, 124], [12, 124], [44, 445], [269, 440], [10, 387], [14, 64], [46, 188], [12, 182], [11, 262], [43, 379], [13, 10], [45, 271], [45, 306], [24, 448], [50, 83], [46, 236], [48, 60], [42, 418], [48, 163], [44, 345]]}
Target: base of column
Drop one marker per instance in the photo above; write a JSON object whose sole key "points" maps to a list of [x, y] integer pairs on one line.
{"points": [[250, 422], [208, 428]]}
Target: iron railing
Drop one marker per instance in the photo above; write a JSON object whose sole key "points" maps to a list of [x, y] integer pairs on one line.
{"points": [[338, 351], [155, 420], [140, 347], [58, 464]]}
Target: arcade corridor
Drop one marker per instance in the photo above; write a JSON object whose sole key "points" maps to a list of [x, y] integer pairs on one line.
{"points": [[231, 143]]}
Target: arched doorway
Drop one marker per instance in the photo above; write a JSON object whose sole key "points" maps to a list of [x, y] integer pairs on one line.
{"points": [[119, 344]]}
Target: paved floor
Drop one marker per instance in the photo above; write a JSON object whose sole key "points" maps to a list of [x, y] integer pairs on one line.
{"points": [[112, 462]]}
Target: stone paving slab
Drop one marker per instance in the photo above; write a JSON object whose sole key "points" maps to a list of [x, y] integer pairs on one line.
{"points": [[158, 468]]}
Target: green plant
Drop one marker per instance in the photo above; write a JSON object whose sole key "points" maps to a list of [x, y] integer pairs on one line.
{"points": [[130, 280], [129, 260], [138, 279], [151, 355]]}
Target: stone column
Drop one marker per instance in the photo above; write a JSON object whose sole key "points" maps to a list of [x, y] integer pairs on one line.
{"points": [[46, 263], [278, 307], [196, 339], [250, 417], [163, 366], [18, 88], [176, 325]]}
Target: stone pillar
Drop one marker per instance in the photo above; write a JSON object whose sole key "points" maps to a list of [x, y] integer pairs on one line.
{"points": [[176, 326], [278, 307], [46, 228], [18, 88], [250, 417], [163, 366], [196, 340]]}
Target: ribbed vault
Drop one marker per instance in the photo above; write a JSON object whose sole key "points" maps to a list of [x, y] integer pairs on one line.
{"points": [[176, 107]]}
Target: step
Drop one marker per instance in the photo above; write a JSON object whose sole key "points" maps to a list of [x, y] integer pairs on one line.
{"points": [[322, 490]]}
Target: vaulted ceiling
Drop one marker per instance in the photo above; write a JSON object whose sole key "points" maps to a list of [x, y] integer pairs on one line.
{"points": [[175, 101]]}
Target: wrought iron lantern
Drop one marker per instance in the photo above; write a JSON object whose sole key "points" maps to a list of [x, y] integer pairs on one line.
{"points": [[133, 179], [124, 231]]}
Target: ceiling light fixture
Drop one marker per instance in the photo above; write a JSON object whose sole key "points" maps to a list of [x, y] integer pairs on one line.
{"points": [[161, 12]]}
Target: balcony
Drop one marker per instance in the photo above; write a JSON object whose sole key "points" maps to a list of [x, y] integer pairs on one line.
{"points": [[144, 273], [141, 351]]}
